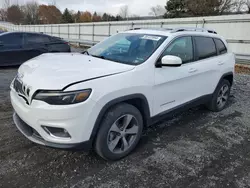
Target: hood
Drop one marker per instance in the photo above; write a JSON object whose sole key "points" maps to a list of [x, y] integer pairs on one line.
{"points": [[56, 71]]}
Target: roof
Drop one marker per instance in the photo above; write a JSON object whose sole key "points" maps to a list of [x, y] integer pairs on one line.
{"points": [[4, 33]]}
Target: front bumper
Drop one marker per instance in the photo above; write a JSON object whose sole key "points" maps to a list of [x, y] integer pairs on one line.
{"points": [[34, 136], [77, 119]]}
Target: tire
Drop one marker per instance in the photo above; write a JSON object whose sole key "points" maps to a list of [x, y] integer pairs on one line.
{"points": [[115, 139], [216, 106]]}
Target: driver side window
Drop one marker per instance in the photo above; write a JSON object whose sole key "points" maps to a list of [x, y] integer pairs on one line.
{"points": [[182, 48]]}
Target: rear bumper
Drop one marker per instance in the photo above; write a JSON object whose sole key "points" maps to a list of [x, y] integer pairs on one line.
{"points": [[34, 136]]}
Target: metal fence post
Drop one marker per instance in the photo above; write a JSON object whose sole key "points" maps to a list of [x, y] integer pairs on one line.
{"points": [[93, 33], [109, 29], [79, 30], [68, 31], [51, 29], [203, 24], [79, 34], [162, 23], [44, 29], [132, 25], [58, 30]]}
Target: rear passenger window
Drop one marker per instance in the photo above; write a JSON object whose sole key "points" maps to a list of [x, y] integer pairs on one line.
{"points": [[205, 47], [220, 46]]}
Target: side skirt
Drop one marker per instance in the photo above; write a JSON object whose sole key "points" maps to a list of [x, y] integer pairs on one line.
{"points": [[176, 110]]}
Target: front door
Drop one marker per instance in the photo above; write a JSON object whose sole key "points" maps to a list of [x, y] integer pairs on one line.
{"points": [[11, 51], [175, 86]]}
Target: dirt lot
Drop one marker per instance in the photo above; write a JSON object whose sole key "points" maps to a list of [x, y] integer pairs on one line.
{"points": [[195, 149]]}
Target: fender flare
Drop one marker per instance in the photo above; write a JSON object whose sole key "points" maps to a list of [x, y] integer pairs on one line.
{"points": [[146, 111], [223, 76]]}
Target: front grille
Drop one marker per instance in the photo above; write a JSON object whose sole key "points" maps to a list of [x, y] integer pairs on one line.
{"points": [[18, 86], [22, 90]]}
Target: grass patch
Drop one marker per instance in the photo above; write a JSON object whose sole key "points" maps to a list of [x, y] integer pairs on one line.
{"points": [[242, 69]]}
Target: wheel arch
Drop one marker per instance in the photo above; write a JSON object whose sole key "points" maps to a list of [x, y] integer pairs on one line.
{"points": [[227, 76], [137, 100]]}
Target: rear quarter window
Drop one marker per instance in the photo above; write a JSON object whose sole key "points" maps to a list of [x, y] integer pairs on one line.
{"points": [[205, 47], [221, 47], [36, 38]]}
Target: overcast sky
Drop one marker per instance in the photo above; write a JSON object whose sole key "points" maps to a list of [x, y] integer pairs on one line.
{"points": [[138, 7]]}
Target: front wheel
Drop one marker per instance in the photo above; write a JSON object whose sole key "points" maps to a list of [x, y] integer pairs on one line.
{"points": [[120, 132], [220, 96]]}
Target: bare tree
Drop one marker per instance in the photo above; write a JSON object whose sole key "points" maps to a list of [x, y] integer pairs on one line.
{"points": [[240, 4], [157, 11], [3, 14], [30, 11], [124, 12], [6, 4], [248, 5], [227, 5]]}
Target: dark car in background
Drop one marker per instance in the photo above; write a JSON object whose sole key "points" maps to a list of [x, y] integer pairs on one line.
{"points": [[18, 47]]}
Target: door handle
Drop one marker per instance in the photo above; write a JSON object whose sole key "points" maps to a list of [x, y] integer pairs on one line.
{"points": [[192, 70], [221, 63]]}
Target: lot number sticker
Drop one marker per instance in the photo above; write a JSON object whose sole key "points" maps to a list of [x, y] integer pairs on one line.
{"points": [[148, 37]]}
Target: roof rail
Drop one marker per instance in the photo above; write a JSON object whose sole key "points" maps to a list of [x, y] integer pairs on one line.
{"points": [[152, 28], [179, 29]]}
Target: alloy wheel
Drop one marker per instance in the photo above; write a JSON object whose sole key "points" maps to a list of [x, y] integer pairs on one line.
{"points": [[223, 96], [122, 134]]}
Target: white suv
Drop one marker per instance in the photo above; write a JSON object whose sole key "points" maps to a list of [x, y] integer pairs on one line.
{"points": [[105, 97]]}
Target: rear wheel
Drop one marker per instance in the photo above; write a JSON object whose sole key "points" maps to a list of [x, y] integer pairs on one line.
{"points": [[120, 132], [220, 96]]}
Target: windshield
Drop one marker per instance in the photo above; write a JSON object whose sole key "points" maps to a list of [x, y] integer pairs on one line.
{"points": [[128, 48]]}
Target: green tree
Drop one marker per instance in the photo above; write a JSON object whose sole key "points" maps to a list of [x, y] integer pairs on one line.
{"points": [[183, 8], [118, 18], [108, 17], [96, 17], [175, 8], [77, 17], [67, 17]]}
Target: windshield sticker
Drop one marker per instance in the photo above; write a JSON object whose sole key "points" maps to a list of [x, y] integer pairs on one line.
{"points": [[148, 37]]}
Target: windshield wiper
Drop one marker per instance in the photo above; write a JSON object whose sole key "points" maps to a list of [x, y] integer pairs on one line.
{"points": [[101, 56], [85, 52]]}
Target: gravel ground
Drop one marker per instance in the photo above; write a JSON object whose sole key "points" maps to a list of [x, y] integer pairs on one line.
{"points": [[197, 148]]}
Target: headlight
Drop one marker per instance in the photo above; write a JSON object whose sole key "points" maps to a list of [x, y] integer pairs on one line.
{"points": [[63, 98]]}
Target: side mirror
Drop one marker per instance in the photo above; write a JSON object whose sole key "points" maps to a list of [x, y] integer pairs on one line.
{"points": [[171, 61]]}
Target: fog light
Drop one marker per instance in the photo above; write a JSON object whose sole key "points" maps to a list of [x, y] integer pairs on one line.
{"points": [[56, 132]]}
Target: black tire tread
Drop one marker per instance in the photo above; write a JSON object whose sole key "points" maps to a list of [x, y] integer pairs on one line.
{"points": [[110, 116], [212, 104]]}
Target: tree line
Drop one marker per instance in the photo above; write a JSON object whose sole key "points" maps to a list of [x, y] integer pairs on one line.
{"points": [[34, 13], [188, 8]]}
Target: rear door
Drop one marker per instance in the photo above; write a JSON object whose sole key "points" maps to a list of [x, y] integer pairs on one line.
{"points": [[35, 45], [11, 51], [223, 56], [207, 61], [58, 45]]}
